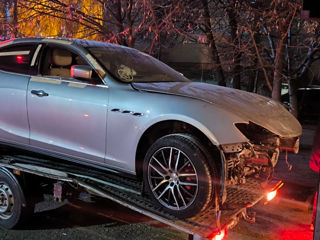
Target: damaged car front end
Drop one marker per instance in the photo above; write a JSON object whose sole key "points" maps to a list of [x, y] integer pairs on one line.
{"points": [[248, 130], [257, 157]]}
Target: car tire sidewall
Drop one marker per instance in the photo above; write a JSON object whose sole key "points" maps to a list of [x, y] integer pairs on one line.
{"points": [[15, 217], [190, 146]]}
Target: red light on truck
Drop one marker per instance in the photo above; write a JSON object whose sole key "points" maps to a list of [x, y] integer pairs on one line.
{"points": [[221, 235], [271, 195]]}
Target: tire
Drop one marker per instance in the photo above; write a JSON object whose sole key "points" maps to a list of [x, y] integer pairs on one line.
{"points": [[184, 187], [11, 200]]}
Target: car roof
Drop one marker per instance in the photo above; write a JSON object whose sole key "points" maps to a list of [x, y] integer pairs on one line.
{"points": [[78, 42]]}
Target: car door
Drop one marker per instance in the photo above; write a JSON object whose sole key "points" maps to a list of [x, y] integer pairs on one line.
{"points": [[16, 67], [67, 116]]}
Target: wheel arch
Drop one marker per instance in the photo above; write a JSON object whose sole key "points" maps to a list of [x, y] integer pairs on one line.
{"points": [[166, 127]]}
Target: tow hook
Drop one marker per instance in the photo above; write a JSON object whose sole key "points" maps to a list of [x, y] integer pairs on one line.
{"points": [[249, 215]]}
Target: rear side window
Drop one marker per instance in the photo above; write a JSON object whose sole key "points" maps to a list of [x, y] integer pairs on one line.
{"points": [[17, 59]]}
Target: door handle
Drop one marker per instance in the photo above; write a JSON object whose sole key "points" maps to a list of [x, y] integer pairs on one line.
{"points": [[39, 93]]}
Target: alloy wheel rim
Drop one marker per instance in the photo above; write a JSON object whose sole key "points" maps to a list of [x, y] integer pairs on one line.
{"points": [[172, 178], [6, 201]]}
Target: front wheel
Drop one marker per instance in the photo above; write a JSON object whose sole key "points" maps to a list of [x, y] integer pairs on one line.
{"points": [[177, 175]]}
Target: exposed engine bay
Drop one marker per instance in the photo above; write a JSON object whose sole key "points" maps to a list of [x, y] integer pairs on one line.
{"points": [[256, 158]]}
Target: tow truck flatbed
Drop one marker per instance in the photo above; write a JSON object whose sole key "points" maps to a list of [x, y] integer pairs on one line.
{"points": [[128, 193]]}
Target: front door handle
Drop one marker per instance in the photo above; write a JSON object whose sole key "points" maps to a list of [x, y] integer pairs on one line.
{"points": [[39, 93]]}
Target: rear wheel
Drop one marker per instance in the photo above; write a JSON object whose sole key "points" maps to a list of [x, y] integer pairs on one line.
{"points": [[177, 175]]}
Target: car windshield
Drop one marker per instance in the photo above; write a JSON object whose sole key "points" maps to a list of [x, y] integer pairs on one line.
{"points": [[131, 65]]}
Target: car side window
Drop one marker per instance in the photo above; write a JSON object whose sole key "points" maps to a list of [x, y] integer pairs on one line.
{"points": [[17, 59], [58, 62]]}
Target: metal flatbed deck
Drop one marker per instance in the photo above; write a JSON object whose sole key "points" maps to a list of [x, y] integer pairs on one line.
{"points": [[127, 192]]}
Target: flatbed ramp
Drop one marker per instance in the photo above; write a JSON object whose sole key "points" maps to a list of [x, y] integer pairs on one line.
{"points": [[127, 192]]}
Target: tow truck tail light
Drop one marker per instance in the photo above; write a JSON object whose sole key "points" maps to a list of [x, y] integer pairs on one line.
{"points": [[221, 235], [271, 195]]}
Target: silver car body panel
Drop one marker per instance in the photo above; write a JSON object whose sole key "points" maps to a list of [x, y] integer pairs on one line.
{"points": [[248, 106], [132, 112], [125, 129], [14, 125], [71, 119]]}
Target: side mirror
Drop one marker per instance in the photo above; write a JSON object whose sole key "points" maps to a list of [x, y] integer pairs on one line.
{"points": [[81, 71]]}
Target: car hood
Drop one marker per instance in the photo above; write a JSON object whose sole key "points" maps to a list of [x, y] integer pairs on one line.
{"points": [[248, 106]]}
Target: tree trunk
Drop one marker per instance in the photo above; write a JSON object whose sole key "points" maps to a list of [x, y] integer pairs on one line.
{"points": [[212, 44], [234, 38], [251, 80], [15, 18], [131, 39], [6, 24], [121, 38], [292, 84], [293, 99], [254, 71], [278, 67]]}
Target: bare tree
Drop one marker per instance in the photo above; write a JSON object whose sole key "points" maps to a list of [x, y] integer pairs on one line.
{"points": [[6, 15], [118, 21], [287, 47], [255, 44]]}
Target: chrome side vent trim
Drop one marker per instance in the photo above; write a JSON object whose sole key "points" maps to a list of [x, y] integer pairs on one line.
{"points": [[136, 114]]}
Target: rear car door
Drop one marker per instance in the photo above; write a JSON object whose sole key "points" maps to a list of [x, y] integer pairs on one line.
{"points": [[16, 66], [67, 116]]}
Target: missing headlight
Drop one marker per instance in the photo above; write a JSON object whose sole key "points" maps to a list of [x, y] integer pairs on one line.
{"points": [[255, 133]]}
